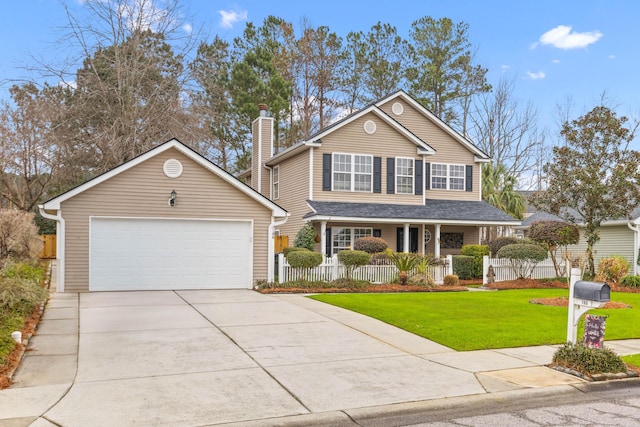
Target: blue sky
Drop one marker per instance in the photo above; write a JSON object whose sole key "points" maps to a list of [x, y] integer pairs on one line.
{"points": [[553, 50]]}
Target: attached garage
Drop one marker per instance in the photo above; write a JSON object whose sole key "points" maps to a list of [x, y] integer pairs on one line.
{"points": [[146, 254], [168, 219]]}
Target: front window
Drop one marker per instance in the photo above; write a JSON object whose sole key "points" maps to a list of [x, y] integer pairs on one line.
{"points": [[276, 182], [447, 177], [352, 172], [404, 175], [343, 238]]}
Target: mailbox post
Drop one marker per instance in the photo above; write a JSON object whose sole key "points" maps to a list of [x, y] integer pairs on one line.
{"points": [[583, 296]]}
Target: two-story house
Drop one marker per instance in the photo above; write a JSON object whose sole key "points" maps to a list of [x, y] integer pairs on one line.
{"points": [[391, 170]]}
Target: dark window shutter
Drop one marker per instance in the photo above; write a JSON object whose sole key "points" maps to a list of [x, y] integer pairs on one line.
{"points": [[377, 175], [418, 176], [469, 180], [377, 232], [326, 172], [427, 175], [391, 175], [328, 243]]}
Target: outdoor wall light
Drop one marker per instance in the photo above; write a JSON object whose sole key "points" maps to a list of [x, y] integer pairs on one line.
{"points": [[172, 199]]}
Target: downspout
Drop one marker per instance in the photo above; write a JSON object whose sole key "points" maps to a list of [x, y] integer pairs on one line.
{"points": [[636, 232], [60, 232], [271, 249]]}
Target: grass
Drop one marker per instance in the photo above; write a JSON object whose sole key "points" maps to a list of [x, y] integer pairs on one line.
{"points": [[484, 320], [632, 359]]}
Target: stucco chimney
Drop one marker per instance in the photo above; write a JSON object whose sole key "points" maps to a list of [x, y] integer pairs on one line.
{"points": [[261, 151]]}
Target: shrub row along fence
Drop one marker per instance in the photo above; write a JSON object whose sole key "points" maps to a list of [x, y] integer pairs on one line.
{"points": [[502, 270], [331, 269]]}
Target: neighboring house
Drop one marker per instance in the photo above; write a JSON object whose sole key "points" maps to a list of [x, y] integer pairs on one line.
{"points": [[617, 236], [391, 170], [168, 219]]}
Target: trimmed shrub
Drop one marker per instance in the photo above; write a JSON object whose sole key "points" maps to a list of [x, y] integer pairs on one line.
{"points": [[451, 280], [497, 244], [304, 259], [463, 266], [612, 269], [353, 260], [381, 258], [589, 360], [477, 252], [306, 237], [630, 282], [523, 257], [370, 245], [287, 251]]}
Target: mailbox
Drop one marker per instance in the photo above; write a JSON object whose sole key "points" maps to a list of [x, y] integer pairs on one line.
{"points": [[592, 291]]}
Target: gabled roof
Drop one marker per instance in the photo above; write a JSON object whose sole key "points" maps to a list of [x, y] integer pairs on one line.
{"points": [[481, 156], [316, 139], [54, 203], [433, 211]]}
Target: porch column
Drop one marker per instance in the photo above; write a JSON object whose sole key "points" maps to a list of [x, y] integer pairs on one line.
{"points": [[436, 242], [323, 238], [405, 242]]}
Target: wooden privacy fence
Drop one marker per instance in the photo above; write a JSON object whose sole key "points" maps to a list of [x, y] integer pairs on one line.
{"points": [[331, 269], [49, 248], [502, 270], [280, 242]]}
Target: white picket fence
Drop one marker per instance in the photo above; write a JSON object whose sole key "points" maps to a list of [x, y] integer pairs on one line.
{"points": [[331, 269], [502, 270]]}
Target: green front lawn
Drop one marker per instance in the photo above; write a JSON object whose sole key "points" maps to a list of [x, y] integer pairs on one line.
{"points": [[482, 320]]}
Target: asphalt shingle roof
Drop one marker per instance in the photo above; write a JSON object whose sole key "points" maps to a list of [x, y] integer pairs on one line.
{"points": [[443, 210]]}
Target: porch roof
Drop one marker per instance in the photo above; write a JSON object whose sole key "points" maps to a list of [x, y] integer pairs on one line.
{"points": [[465, 212]]}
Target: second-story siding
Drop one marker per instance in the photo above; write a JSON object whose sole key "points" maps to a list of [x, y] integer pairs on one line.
{"points": [[294, 192]]}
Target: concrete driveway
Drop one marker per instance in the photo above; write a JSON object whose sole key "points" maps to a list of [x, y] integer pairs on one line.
{"points": [[213, 357]]}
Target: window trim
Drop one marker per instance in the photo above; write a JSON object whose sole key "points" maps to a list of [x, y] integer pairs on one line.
{"points": [[335, 231], [412, 176], [275, 185], [352, 173], [448, 177]]}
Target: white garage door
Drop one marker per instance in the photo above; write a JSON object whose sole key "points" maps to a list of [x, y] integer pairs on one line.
{"points": [[145, 254]]}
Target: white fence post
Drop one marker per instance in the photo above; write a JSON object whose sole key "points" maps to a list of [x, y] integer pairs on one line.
{"points": [[281, 267], [334, 270], [449, 267], [485, 269]]}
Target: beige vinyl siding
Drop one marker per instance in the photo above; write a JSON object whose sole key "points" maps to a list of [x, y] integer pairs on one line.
{"points": [[143, 191], [614, 240], [448, 150], [294, 192], [352, 139]]}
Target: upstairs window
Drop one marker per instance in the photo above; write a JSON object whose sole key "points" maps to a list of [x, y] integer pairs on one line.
{"points": [[447, 177], [352, 172], [404, 175], [276, 183]]}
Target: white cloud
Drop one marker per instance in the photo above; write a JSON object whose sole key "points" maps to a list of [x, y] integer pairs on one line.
{"points": [[229, 17], [563, 38], [536, 76], [612, 57], [504, 67], [555, 61], [187, 28]]}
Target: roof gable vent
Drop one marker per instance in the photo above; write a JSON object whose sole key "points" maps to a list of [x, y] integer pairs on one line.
{"points": [[172, 168], [370, 127], [397, 108]]}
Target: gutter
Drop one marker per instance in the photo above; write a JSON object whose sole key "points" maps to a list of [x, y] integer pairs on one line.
{"points": [[270, 247], [636, 237], [60, 244]]}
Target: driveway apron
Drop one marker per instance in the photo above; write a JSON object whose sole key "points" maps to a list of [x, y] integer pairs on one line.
{"points": [[212, 357]]}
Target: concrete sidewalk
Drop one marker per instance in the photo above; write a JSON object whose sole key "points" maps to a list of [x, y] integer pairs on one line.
{"points": [[243, 358]]}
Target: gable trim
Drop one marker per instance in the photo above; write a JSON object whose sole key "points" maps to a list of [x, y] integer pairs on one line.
{"points": [[54, 204]]}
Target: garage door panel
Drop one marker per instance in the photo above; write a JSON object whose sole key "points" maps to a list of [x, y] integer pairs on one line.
{"points": [[134, 254]]}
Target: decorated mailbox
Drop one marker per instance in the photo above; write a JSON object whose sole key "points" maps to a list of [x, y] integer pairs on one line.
{"points": [[583, 296]]}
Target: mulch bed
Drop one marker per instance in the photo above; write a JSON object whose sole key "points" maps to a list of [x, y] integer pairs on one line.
{"points": [[387, 287], [526, 284], [564, 302]]}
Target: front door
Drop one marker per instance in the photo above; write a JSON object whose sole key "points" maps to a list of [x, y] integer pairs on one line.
{"points": [[413, 239]]}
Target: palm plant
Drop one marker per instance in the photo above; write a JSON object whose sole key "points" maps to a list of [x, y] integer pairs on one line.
{"points": [[404, 262]]}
